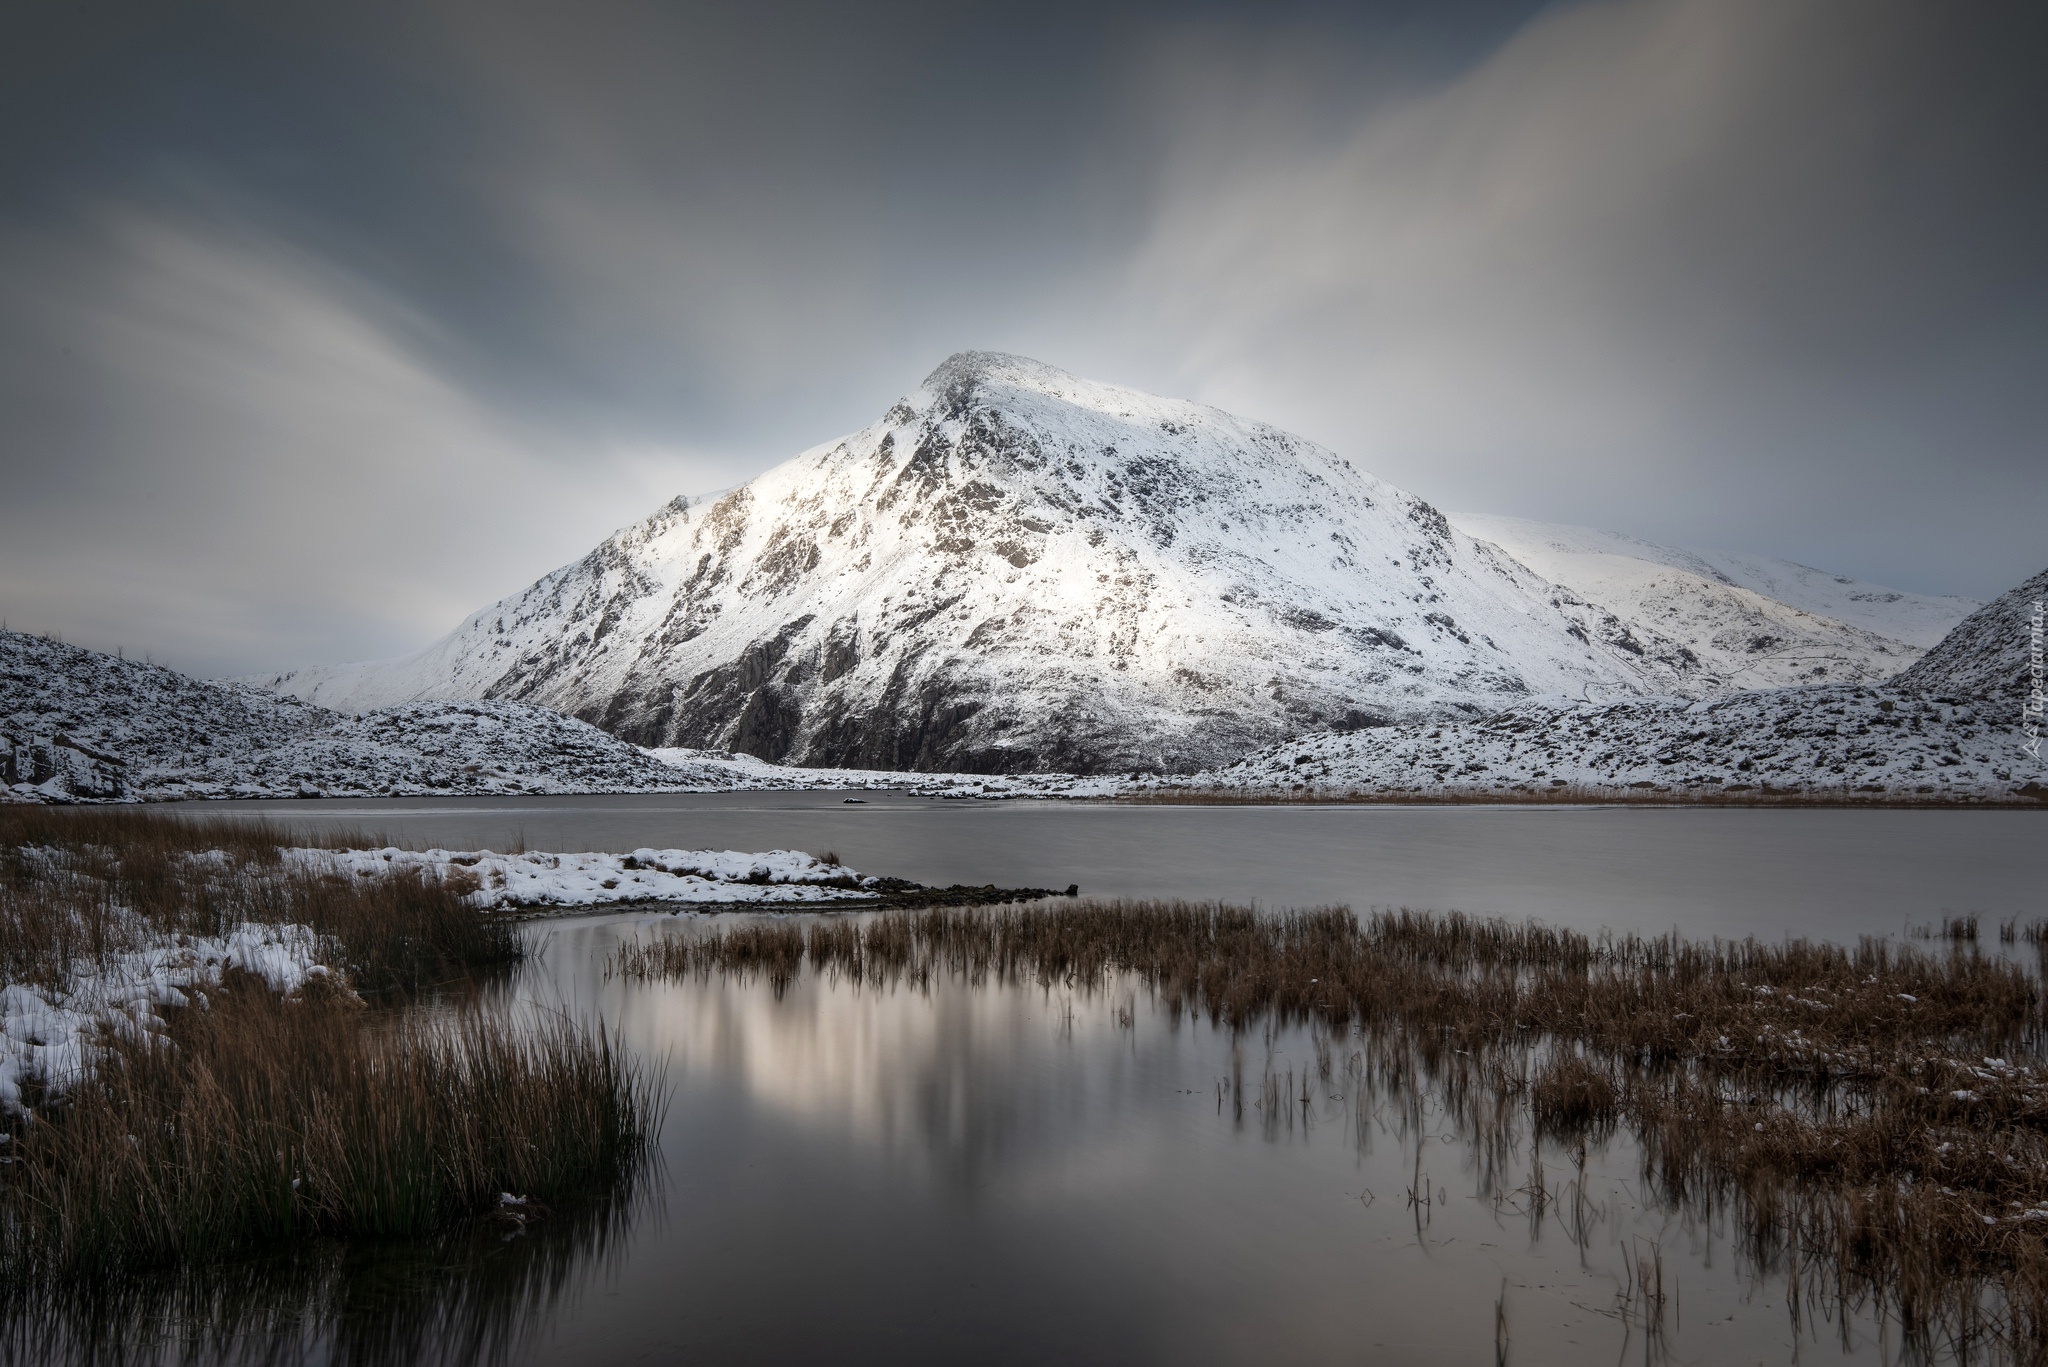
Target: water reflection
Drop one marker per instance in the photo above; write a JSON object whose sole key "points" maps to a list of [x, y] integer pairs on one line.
{"points": [[1020, 1172], [1178, 1191], [474, 1297]]}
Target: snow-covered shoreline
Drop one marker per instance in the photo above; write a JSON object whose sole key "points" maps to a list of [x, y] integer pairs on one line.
{"points": [[50, 1032], [595, 878]]}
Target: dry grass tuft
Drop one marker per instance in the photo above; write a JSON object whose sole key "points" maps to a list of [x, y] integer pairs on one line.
{"points": [[261, 1119]]}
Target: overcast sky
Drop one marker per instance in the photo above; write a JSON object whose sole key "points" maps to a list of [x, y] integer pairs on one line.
{"points": [[323, 325]]}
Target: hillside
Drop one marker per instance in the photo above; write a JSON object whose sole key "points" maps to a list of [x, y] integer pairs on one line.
{"points": [[78, 724], [1826, 742], [1995, 654], [1014, 570], [1950, 730]]}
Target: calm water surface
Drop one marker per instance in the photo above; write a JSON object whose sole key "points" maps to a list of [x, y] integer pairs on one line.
{"points": [[1726, 871], [1029, 1174]]}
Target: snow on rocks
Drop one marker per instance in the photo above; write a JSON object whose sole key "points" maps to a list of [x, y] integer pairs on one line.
{"points": [[51, 1033], [77, 725], [1839, 743], [1994, 654], [594, 879]]}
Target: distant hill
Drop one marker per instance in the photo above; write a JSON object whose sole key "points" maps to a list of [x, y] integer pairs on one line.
{"points": [[1950, 729], [1753, 621]]}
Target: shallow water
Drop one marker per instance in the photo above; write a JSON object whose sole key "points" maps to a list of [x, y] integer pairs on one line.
{"points": [[1029, 1174], [1017, 1174]]}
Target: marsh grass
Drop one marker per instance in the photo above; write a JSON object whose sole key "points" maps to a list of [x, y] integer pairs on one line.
{"points": [[261, 1119], [251, 1117], [1872, 1119], [79, 885]]}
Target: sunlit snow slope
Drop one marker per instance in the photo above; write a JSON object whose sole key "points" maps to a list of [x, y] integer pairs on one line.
{"points": [[1752, 621], [1017, 570]]}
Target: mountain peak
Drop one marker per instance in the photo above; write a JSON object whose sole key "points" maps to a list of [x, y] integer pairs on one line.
{"points": [[973, 368]]}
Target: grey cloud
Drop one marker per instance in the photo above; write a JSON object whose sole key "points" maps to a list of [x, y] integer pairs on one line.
{"points": [[319, 328], [223, 452], [1746, 273]]}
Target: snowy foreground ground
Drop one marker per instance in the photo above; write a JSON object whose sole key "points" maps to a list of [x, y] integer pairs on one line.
{"points": [[48, 1032]]}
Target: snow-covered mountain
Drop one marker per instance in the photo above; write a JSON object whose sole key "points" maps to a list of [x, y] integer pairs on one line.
{"points": [[1752, 622], [1015, 569], [78, 725]]}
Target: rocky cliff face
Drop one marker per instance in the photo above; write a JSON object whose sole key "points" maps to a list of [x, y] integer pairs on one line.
{"points": [[1015, 569]]}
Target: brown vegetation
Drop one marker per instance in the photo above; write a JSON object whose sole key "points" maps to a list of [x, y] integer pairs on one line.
{"points": [[80, 884], [470, 1294], [1875, 1117], [250, 1116], [269, 1119]]}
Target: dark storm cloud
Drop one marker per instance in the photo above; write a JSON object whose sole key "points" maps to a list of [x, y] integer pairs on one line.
{"points": [[319, 326]]}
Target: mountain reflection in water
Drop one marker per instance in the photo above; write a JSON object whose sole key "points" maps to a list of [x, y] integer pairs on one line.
{"points": [[1018, 1171]]}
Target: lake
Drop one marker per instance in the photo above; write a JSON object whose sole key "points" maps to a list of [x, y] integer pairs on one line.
{"points": [[1705, 871], [1020, 1173]]}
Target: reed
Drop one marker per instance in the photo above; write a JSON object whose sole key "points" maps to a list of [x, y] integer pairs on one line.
{"points": [[1877, 1111], [246, 1117], [469, 1295], [268, 1119]]}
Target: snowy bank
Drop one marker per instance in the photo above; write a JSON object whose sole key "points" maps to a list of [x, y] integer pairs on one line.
{"points": [[595, 879]]}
